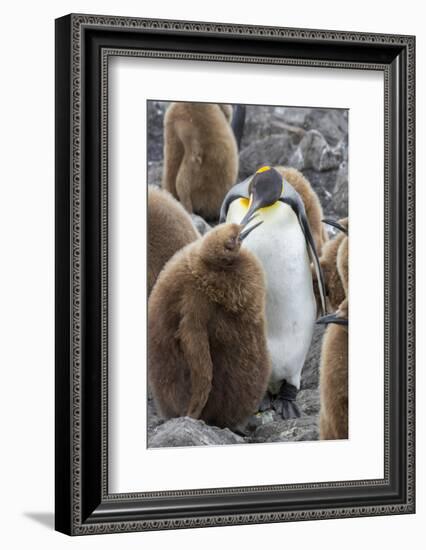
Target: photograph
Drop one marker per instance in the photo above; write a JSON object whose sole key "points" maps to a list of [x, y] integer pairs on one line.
{"points": [[205, 373], [247, 273]]}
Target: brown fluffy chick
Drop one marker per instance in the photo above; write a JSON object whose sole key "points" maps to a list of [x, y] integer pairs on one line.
{"points": [[311, 201], [334, 360], [200, 156], [207, 349], [170, 228], [328, 261]]}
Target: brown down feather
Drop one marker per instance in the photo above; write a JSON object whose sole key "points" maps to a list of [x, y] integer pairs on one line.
{"points": [[170, 228], [200, 156], [311, 202], [334, 360], [207, 348], [328, 261]]}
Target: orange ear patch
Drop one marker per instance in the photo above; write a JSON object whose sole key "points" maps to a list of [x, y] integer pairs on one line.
{"points": [[263, 169], [244, 202]]}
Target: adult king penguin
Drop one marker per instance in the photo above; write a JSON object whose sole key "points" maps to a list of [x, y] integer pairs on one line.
{"points": [[285, 247]]}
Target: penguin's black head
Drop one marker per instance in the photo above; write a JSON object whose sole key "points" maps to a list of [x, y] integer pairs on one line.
{"points": [[220, 246], [265, 189]]}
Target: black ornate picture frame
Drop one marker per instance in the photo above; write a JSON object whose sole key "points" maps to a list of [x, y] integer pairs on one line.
{"points": [[83, 45]]}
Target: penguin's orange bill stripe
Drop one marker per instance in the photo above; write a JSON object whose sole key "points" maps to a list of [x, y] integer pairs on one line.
{"points": [[263, 169], [246, 202]]}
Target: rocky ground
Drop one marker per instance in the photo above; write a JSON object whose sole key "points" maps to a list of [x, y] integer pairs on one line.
{"points": [[315, 141]]}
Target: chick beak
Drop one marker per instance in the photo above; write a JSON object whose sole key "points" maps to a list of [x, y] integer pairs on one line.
{"points": [[332, 318], [248, 230]]}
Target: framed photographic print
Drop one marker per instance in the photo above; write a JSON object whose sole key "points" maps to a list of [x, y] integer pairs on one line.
{"points": [[208, 371]]}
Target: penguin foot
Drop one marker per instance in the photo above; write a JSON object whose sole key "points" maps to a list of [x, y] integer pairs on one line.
{"points": [[266, 403], [286, 409], [285, 403]]}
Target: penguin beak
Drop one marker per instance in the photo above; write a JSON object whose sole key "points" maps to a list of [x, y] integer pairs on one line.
{"points": [[247, 231], [336, 225], [254, 205], [332, 318]]}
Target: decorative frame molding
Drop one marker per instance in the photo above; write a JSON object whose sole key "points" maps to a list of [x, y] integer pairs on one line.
{"points": [[84, 43]]}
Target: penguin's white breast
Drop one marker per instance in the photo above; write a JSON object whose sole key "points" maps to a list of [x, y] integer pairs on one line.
{"points": [[280, 245]]}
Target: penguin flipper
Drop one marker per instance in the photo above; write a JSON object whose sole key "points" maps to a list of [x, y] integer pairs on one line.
{"points": [[336, 224], [297, 205], [315, 260], [238, 191], [332, 318]]}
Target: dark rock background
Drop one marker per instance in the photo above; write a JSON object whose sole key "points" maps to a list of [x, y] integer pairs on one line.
{"points": [[315, 141]]}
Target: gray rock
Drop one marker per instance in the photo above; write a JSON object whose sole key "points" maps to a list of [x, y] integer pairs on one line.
{"points": [[310, 371], [340, 192], [155, 172], [259, 419], [323, 184], [155, 117], [332, 190], [296, 117], [311, 434], [332, 123], [309, 402], [201, 225], [154, 419], [258, 118], [274, 149], [262, 121], [304, 428], [186, 432], [314, 152]]}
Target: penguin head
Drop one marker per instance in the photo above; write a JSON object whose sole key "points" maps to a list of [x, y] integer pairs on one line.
{"points": [[265, 189], [221, 246]]}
